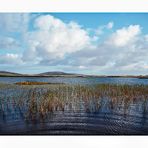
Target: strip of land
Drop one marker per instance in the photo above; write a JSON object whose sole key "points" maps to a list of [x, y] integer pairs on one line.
{"points": [[63, 74]]}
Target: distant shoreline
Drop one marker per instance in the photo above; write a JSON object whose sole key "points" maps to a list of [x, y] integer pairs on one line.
{"points": [[68, 75], [75, 76]]}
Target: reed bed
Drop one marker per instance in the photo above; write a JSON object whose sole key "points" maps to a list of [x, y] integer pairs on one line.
{"points": [[31, 83], [35, 83], [35, 103]]}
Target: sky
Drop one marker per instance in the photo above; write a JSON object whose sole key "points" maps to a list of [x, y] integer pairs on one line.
{"points": [[86, 43]]}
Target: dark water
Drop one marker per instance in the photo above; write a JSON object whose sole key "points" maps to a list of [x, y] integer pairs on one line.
{"points": [[103, 122], [119, 120], [76, 80]]}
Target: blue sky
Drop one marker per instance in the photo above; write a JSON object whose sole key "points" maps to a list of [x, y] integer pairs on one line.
{"points": [[89, 43], [94, 20]]}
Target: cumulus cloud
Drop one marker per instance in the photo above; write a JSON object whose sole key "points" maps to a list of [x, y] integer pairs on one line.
{"points": [[52, 42], [125, 35], [53, 39], [123, 51]]}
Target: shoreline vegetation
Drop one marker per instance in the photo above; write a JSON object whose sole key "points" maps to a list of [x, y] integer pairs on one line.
{"points": [[30, 107], [72, 75], [36, 102]]}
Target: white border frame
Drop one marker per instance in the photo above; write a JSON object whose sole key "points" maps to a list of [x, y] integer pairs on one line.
{"points": [[73, 5], [73, 141]]}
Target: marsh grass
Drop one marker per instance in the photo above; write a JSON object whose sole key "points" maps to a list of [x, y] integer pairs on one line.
{"points": [[37, 103], [31, 83]]}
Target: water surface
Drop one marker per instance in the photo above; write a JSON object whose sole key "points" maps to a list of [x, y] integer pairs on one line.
{"points": [[76, 80], [120, 118]]}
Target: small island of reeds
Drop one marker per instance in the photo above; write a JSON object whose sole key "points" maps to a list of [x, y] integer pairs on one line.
{"points": [[34, 83]]}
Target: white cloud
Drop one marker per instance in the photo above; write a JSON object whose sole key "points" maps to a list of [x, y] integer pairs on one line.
{"points": [[13, 22], [12, 28], [68, 45], [54, 39], [146, 38], [48, 23], [125, 35], [11, 59], [101, 29], [110, 25], [8, 43], [123, 50], [122, 57]]}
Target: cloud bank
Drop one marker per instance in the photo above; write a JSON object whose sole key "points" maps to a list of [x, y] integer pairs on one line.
{"points": [[38, 41]]}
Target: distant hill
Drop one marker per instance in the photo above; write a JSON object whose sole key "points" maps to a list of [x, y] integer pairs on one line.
{"points": [[6, 73], [59, 74], [64, 74], [45, 74], [56, 73]]}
